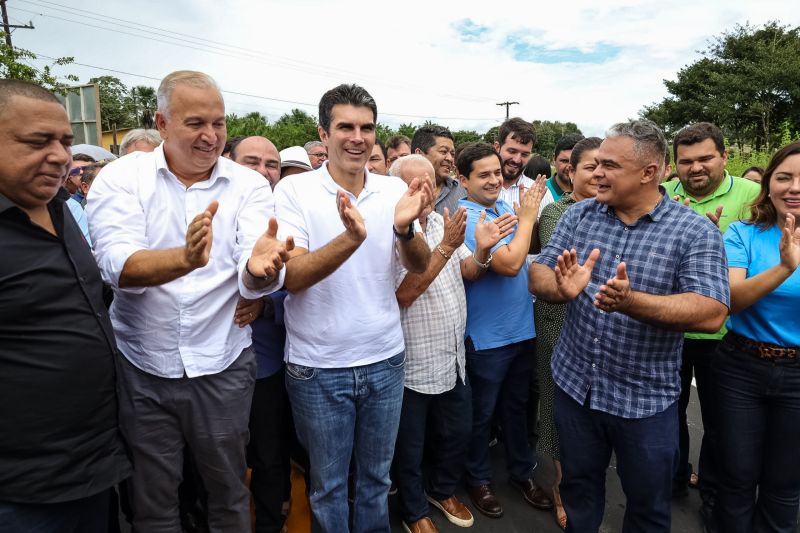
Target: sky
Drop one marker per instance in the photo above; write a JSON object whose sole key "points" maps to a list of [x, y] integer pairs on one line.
{"points": [[580, 61]]}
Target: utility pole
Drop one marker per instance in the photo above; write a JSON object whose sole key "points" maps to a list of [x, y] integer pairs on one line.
{"points": [[507, 104], [7, 27]]}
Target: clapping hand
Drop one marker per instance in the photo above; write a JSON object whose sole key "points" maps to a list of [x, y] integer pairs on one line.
{"points": [[269, 254], [616, 293], [531, 199], [790, 244], [455, 229], [487, 234], [351, 218], [199, 237], [572, 277], [413, 202]]}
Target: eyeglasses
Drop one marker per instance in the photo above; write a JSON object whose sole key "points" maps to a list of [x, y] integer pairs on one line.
{"points": [[320, 155], [77, 171]]}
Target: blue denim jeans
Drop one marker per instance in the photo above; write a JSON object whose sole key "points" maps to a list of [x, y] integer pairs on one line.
{"points": [[500, 377], [647, 455], [758, 404], [341, 413]]}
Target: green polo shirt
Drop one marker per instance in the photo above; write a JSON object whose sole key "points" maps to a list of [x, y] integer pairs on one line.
{"points": [[735, 195], [555, 190]]}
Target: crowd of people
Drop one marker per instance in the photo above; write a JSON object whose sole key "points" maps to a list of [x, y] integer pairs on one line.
{"points": [[378, 314]]}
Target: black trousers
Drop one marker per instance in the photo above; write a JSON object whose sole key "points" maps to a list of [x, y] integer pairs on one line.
{"points": [[697, 357], [271, 440]]}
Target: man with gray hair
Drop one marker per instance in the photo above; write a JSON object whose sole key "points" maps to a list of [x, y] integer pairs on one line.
{"points": [[433, 314], [317, 153], [139, 140], [637, 269], [179, 235]]}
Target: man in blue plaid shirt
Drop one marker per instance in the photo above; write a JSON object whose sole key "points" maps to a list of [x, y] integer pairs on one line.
{"points": [[637, 269]]}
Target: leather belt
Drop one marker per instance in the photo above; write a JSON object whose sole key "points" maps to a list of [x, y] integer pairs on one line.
{"points": [[764, 350]]}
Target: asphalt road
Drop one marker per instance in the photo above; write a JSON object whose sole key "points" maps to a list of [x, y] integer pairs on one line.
{"points": [[519, 517]]}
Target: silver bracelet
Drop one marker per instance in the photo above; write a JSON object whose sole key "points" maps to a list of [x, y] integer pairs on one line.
{"points": [[482, 265]]}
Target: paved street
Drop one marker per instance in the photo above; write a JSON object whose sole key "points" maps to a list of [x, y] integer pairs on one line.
{"points": [[521, 518]]}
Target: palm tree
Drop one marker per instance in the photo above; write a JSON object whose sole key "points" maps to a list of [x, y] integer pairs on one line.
{"points": [[144, 103]]}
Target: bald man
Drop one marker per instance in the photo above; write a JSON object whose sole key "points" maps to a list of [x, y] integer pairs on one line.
{"points": [[259, 154]]}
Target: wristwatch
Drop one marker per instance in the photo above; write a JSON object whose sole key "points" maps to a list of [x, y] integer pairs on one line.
{"points": [[404, 236]]}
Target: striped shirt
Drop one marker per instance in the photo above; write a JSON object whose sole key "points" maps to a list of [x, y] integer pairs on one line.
{"points": [[631, 368], [433, 326]]}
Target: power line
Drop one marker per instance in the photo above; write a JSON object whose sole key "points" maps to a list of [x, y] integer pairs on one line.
{"points": [[225, 50], [260, 97]]}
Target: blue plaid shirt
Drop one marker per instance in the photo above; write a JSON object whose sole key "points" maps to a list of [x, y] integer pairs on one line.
{"points": [[631, 368]]}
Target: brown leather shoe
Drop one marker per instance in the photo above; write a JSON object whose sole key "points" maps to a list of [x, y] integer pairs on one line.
{"points": [[424, 525], [533, 494], [485, 501], [455, 511]]}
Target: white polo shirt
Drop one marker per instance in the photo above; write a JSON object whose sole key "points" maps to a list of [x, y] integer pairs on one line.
{"points": [[351, 318]]}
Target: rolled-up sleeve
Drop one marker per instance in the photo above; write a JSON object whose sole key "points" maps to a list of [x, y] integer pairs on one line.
{"points": [[117, 223], [251, 222]]}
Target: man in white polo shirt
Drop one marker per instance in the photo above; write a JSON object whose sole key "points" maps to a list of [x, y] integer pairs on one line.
{"points": [[344, 345]]}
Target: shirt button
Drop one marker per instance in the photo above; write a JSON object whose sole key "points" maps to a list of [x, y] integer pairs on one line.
{"points": [[625, 229], [99, 315], [617, 256], [594, 365], [596, 339]]}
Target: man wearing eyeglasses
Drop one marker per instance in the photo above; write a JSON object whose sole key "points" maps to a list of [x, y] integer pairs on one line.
{"points": [[317, 153], [73, 181]]}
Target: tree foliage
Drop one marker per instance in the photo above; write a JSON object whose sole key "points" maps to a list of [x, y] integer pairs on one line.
{"points": [[548, 134], [747, 82], [15, 64]]}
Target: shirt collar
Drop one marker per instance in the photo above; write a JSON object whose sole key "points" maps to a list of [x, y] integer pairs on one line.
{"points": [[655, 215], [222, 169], [556, 187], [371, 181], [724, 187], [5, 203]]}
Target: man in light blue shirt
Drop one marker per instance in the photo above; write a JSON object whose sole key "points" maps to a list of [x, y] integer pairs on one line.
{"points": [[499, 335]]}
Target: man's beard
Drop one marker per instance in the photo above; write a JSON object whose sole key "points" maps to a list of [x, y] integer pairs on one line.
{"points": [[511, 177]]}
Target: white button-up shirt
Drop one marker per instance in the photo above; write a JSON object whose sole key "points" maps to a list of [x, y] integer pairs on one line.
{"points": [[350, 318], [186, 325]]}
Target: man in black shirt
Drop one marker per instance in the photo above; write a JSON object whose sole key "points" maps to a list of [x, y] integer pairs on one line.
{"points": [[60, 448]]}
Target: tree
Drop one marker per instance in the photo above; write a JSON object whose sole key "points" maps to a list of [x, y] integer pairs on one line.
{"points": [[491, 135], [548, 133], [251, 124], [407, 129], [14, 64], [144, 104], [116, 108], [747, 82], [462, 136]]}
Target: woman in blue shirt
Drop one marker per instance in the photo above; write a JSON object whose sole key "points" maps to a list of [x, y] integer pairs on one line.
{"points": [[757, 365]]}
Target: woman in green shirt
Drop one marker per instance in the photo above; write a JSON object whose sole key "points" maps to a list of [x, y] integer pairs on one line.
{"points": [[550, 317]]}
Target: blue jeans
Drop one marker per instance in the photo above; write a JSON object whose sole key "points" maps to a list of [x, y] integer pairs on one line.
{"points": [[500, 377], [759, 439], [647, 455], [450, 414], [344, 412]]}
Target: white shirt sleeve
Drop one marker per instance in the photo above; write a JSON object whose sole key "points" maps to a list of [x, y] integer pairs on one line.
{"points": [[251, 223], [116, 222], [291, 220]]}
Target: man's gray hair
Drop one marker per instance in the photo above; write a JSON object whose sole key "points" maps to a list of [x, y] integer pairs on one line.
{"points": [[397, 167], [192, 78], [310, 145], [151, 137], [648, 140]]}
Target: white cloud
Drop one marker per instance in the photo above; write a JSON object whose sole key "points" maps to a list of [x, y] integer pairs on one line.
{"points": [[407, 54]]}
